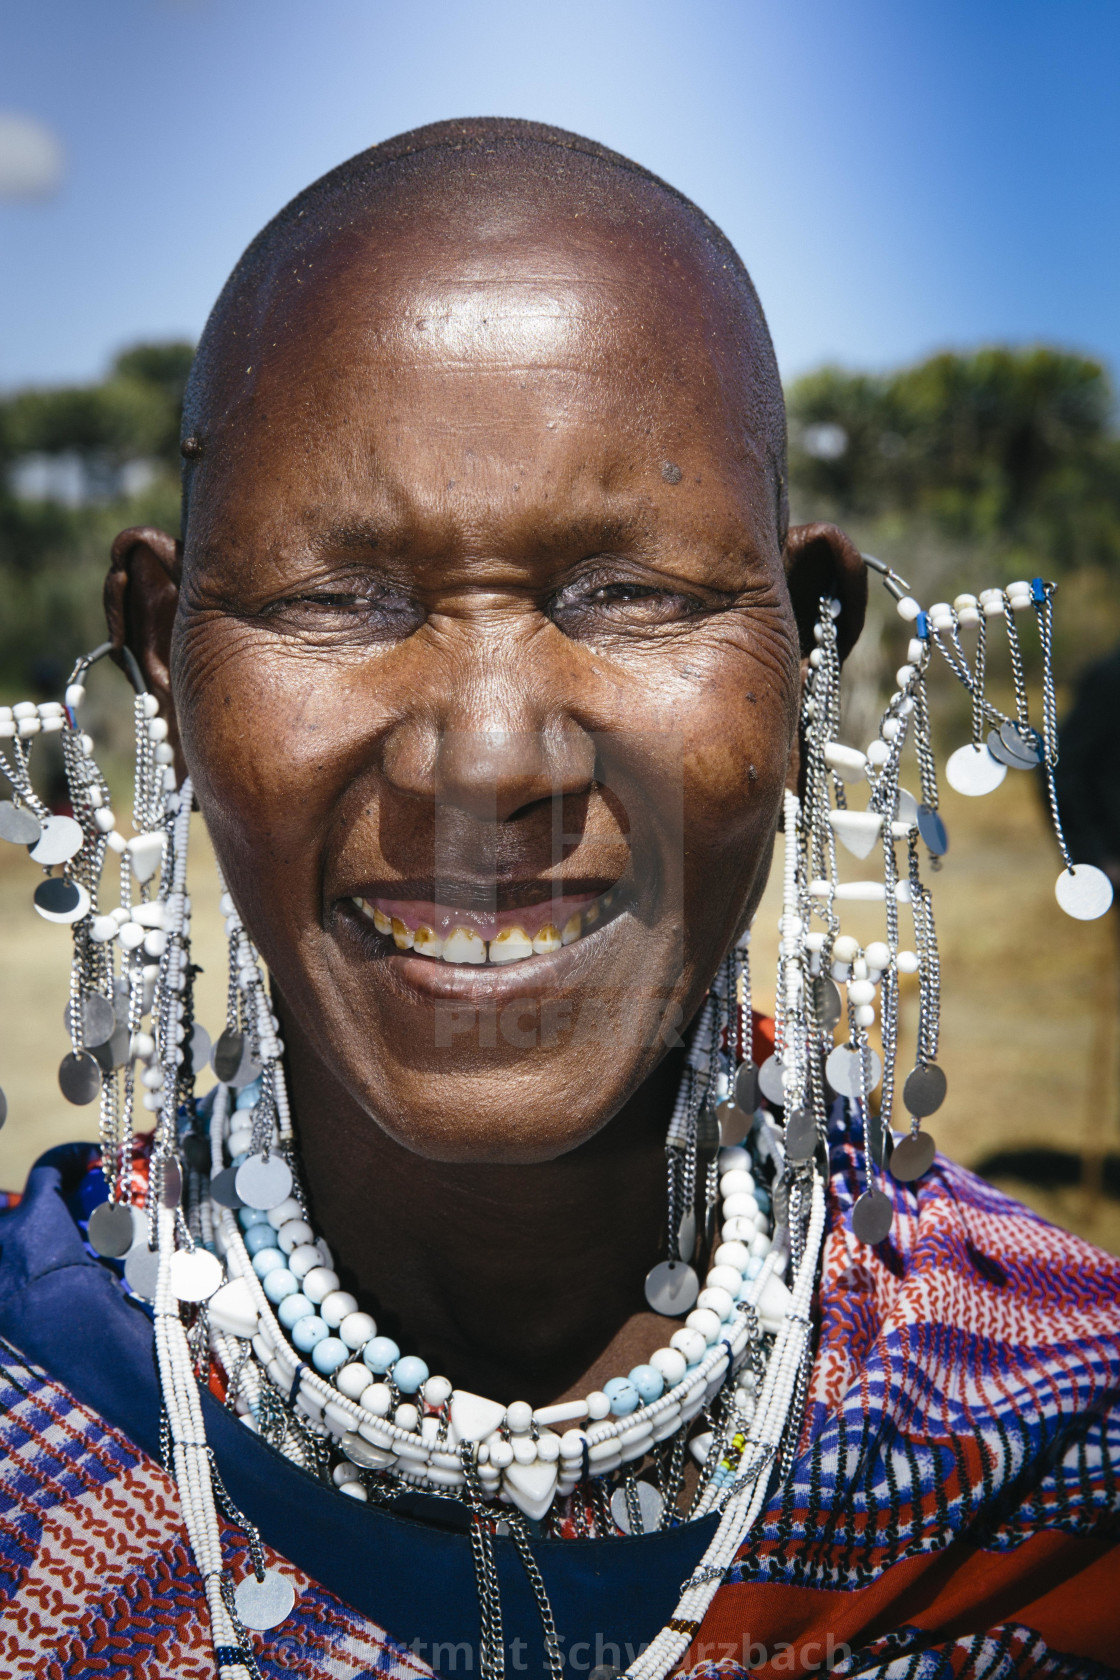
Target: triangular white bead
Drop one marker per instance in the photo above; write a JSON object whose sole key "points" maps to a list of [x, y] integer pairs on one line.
{"points": [[232, 1309], [531, 1487], [473, 1417], [857, 830], [848, 762], [774, 1304], [145, 851]]}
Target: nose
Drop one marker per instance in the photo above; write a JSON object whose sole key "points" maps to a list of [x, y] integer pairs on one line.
{"points": [[489, 753]]}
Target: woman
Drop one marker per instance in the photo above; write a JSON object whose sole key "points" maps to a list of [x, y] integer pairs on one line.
{"points": [[483, 651]]}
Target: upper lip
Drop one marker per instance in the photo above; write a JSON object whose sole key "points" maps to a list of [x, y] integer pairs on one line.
{"points": [[481, 895]]}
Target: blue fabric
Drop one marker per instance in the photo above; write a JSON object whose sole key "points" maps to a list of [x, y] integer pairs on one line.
{"points": [[65, 1311]]}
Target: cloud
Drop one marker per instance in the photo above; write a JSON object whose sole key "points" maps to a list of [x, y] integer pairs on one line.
{"points": [[32, 159]]}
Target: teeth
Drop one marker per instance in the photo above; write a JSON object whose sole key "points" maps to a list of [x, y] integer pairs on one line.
{"points": [[403, 937], [573, 927], [511, 945], [461, 946], [382, 922], [591, 915], [545, 942], [427, 942]]}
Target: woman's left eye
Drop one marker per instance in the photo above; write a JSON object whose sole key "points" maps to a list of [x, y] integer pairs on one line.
{"points": [[625, 602]]}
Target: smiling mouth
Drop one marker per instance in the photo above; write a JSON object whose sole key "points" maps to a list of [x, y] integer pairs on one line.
{"points": [[490, 939]]}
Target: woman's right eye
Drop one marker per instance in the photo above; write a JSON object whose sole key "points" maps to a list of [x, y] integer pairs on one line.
{"points": [[382, 612]]}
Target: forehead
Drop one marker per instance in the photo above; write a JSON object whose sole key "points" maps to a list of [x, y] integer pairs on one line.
{"points": [[579, 342]]}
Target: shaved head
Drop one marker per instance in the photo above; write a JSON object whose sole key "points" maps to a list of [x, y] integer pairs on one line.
{"points": [[461, 200]]}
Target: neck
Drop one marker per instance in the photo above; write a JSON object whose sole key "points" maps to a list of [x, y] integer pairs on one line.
{"points": [[518, 1282]]}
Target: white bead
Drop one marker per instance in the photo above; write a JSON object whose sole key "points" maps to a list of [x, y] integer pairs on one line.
{"points": [[969, 617], [104, 819], [716, 1300], [732, 1255], [903, 675], [319, 1282], [861, 991], [572, 1443], [102, 929], [844, 948], [334, 1306], [436, 1391], [735, 1181], [671, 1364], [519, 1417], [878, 753], [707, 1323], [407, 1417], [960, 601], [760, 1245], [352, 1380], [915, 651], [149, 705], [740, 1206], [377, 1398], [690, 1343], [890, 728], [907, 962], [355, 1329], [142, 1045], [548, 1447], [75, 694], [724, 1277], [524, 1449], [501, 1454], [864, 1015], [598, 1405], [738, 1230], [280, 1215], [566, 1411], [908, 608], [293, 1234], [116, 841], [878, 954]]}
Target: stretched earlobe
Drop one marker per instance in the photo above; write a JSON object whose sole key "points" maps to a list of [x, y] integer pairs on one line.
{"points": [[821, 560], [141, 599]]}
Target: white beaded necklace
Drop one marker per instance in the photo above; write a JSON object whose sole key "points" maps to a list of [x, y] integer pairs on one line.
{"points": [[514, 1452]]}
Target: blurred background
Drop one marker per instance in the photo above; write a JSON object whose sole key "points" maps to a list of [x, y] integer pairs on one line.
{"points": [[927, 197]]}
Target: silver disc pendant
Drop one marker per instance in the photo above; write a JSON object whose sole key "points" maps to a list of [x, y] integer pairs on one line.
{"points": [[141, 1271], [199, 1049], [3, 1108], [171, 1189], [60, 839], [17, 824], [264, 1181], [933, 830], [872, 1216], [770, 1081], [97, 1017], [264, 1604], [226, 1056], [110, 1230], [59, 900], [973, 771], [906, 810], [912, 1157], [1024, 742], [650, 1507], [686, 1235], [801, 1135], [79, 1077], [924, 1090], [672, 1288], [826, 1002], [707, 1134], [114, 1052], [733, 1123], [746, 1088], [998, 748], [842, 1070], [195, 1274], [223, 1188], [1084, 892]]}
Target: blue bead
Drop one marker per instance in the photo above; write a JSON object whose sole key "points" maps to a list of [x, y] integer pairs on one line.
{"points": [[613, 1384], [1038, 591], [307, 1331], [409, 1373], [249, 1095], [327, 1355], [259, 1237], [279, 1283], [268, 1259], [380, 1353], [921, 626], [624, 1400], [649, 1383], [236, 1160], [292, 1308], [754, 1266], [251, 1216], [762, 1197]]}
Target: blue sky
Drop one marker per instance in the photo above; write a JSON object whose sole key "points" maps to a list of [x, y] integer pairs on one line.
{"points": [[900, 175]]}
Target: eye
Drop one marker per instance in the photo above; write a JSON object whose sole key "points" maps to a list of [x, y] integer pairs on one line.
{"points": [[623, 603], [376, 610]]}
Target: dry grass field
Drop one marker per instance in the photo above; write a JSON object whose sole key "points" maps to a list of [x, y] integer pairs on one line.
{"points": [[1029, 1038]]}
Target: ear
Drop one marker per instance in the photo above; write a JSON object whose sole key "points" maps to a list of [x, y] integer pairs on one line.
{"points": [[820, 560], [141, 599]]}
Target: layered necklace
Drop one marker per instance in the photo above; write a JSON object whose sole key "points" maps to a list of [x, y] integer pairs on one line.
{"points": [[236, 1273]]}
